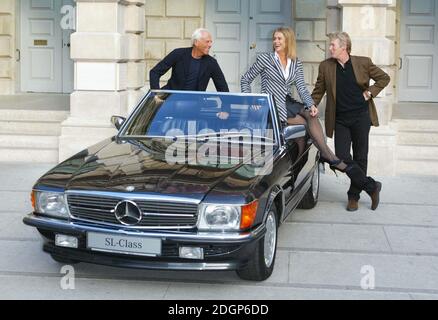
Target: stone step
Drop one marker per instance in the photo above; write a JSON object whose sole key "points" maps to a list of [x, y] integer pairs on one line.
{"points": [[415, 125], [30, 127], [29, 141], [417, 137], [29, 148], [33, 115], [417, 152], [28, 155], [417, 167]]}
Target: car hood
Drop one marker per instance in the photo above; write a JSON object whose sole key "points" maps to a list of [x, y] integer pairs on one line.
{"points": [[141, 165]]}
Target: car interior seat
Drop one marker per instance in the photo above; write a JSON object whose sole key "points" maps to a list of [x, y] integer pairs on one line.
{"points": [[185, 115]]}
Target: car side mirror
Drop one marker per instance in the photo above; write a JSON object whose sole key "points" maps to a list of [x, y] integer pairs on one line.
{"points": [[117, 121], [294, 132]]}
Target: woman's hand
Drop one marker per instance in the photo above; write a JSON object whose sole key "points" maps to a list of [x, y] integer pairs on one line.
{"points": [[313, 111]]}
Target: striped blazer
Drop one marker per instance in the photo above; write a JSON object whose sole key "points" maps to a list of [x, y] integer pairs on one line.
{"points": [[274, 83]]}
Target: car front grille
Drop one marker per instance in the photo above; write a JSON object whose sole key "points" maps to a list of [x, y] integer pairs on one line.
{"points": [[157, 214]]}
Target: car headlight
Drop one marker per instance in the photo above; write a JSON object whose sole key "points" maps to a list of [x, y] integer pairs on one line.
{"points": [[50, 203], [216, 217]]}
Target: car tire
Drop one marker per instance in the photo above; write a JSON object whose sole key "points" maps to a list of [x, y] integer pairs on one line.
{"points": [[63, 260], [310, 199], [261, 264]]}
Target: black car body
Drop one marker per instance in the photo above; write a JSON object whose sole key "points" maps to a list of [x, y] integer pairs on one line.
{"points": [[192, 181]]}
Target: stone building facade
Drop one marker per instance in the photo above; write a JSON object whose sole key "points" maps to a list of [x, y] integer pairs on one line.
{"points": [[7, 47], [116, 42]]}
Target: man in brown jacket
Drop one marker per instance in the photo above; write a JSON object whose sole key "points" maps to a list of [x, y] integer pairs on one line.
{"points": [[350, 109]]}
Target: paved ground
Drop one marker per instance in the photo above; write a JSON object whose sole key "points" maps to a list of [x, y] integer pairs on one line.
{"points": [[324, 253]]}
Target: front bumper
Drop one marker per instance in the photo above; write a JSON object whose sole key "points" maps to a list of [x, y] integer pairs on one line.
{"points": [[222, 251]]}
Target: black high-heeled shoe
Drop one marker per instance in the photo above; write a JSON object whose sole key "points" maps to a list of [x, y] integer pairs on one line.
{"points": [[333, 164]]}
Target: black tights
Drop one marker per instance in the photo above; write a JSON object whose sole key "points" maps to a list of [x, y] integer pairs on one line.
{"points": [[354, 172], [313, 127]]}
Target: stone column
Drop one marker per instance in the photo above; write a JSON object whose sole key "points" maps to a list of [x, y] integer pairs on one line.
{"points": [[135, 28], [333, 17], [107, 49], [7, 46], [310, 28], [371, 25]]}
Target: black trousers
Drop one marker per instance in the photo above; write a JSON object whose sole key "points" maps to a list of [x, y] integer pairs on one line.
{"points": [[353, 132]]}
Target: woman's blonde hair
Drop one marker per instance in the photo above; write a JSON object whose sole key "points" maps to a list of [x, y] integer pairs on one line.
{"points": [[291, 42]]}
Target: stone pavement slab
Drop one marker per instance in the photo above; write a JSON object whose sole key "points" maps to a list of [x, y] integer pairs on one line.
{"points": [[387, 214], [15, 201], [420, 190], [12, 228], [21, 176], [407, 273], [89, 289], [413, 240], [333, 237], [278, 292], [320, 256]]}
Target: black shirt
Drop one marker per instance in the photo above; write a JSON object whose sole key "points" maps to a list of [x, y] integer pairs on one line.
{"points": [[350, 101], [192, 78]]}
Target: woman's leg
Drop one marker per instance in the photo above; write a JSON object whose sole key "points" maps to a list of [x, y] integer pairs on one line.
{"points": [[301, 142], [353, 171], [315, 130]]}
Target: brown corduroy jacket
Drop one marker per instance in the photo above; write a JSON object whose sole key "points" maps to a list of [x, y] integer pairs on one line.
{"points": [[364, 70]]}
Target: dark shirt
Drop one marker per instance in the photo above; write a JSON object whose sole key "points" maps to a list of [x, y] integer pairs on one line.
{"points": [[191, 83], [350, 101], [179, 61]]}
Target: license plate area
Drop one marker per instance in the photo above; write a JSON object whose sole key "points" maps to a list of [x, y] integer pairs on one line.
{"points": [[123, 244]]}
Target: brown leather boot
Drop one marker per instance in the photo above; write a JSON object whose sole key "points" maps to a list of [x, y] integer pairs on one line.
{"points": [[375, 196], [353, 205], [361, 181]]}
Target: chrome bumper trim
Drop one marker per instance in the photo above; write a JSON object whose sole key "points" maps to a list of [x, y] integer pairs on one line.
{"points": [[62, 226]]}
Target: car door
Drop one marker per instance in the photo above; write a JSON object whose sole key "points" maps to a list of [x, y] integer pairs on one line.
{"points": [[284, 170], [302, 160], [303, 164]]}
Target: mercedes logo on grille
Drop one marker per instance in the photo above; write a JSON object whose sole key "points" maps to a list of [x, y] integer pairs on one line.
{"points": [[128, 213]]}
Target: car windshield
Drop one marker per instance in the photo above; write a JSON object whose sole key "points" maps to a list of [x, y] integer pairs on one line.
{"points": [[164, 114]]}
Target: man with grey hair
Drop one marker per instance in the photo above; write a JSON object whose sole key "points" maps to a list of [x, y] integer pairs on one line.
{"points": [[350, 109], [192, 68]]}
